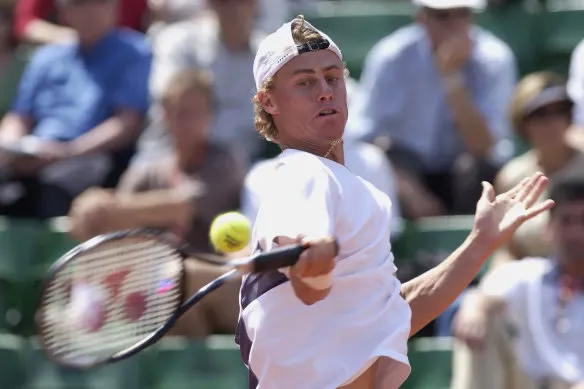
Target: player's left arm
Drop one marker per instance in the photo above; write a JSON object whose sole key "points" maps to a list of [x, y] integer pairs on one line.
{"points": [[496, 220]]}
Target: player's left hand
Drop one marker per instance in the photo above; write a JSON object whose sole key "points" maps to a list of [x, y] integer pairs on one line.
{"points": [[498, 217]]}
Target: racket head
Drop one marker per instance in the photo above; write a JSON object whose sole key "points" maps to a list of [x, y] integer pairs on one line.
{"points": [[131, 283]]}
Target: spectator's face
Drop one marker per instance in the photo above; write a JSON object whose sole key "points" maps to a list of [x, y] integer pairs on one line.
{"points": [[445, 24], [545, 127], [236, 14], [188, 118], [567, 230], [90, 18], [304, 89]]}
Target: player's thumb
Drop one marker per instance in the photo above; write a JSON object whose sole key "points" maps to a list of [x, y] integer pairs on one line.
{"points": [[488, 192]]}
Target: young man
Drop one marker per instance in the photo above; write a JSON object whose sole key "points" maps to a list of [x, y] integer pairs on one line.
{"points": [[339, 317]]}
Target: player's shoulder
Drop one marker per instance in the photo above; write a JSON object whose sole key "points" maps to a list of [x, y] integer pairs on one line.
{"points": [[295, 167]]}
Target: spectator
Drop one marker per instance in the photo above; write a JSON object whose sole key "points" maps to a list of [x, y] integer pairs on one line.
{"points": [[12, 60], [576, 91], [182, 192], [224, 45], [82, 103], [435, 96], [541, 113], [39, 22], [523, 328]]}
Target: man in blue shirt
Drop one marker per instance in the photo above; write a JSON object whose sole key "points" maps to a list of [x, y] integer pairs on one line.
{"points": [[435, 94], [82, 103]]}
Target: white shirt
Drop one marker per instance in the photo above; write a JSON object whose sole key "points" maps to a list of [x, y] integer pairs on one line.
{"points": [[363, 159], [290, 345], [529, 288], [576, 83]]}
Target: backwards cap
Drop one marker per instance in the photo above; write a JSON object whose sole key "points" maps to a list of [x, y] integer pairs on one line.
{"points": [[279, 48]]}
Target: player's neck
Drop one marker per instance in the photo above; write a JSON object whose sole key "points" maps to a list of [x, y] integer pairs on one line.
{"points": [[337, 154]]}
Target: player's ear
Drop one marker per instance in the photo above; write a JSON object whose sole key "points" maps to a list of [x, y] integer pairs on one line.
{"points": [[267, 102]]}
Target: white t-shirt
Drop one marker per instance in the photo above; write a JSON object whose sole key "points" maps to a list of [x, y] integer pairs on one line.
{"points": [[363, 159], [530, 289], [289, 345]]}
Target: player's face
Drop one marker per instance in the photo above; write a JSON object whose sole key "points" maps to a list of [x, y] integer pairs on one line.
{"points": [[309, 100], [445, 24], [567, 230], [188, 119], [545, 127]]}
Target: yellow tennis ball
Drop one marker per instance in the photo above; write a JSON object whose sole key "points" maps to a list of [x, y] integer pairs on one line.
{"points": [[230, 232]]}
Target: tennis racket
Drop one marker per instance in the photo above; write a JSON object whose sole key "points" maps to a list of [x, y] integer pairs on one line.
{"points": [[119, 293]]}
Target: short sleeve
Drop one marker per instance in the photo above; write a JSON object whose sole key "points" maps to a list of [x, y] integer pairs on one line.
{"points": [[132, 91], [301, 203], [29, 83]]}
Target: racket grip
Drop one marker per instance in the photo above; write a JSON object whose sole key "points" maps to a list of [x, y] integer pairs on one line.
{"points": [[278, 258]]}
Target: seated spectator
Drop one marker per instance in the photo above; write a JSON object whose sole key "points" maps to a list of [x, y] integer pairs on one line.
{"points": [[522, 328], [224, 45], [12, 60], [435, 96], [82, 103], [183, 192], [541, 114], [39, 22]]}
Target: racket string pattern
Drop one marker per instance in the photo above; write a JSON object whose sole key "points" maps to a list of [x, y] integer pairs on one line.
{"points": [[136, 281]]}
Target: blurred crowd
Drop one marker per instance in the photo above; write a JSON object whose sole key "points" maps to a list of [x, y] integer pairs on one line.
{"points": [[133, 113]]}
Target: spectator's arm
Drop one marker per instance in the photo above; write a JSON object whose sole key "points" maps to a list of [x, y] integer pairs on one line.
{"points": [[484, 126], [31, 27], [14, 126], [131, 99], [576, 91]]}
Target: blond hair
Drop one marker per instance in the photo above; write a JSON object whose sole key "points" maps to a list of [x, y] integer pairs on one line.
{"points": [[264, 122], [188, 81], [527, 89]]}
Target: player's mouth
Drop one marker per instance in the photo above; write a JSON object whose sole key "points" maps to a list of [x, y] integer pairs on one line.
{"points": [[327, 112]]}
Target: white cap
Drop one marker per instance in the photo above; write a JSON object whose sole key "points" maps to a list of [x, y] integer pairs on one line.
{"points": [[279, 47], [449, 4]]}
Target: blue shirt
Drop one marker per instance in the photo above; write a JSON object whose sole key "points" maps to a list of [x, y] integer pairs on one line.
{"points": [[402, 96], [68, 91]]}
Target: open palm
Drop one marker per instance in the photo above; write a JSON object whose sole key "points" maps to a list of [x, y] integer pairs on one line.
{"points": [[498, 217]]}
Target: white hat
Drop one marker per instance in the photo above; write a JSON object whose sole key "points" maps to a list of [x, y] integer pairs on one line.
{"points": [[279, 47], [449, 4]]}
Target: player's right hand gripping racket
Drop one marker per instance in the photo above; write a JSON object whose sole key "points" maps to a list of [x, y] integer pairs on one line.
{"points": [[119, 293]]}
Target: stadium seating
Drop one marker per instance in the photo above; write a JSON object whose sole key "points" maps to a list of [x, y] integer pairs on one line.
{"points": [[431, 361], [12, 364]]}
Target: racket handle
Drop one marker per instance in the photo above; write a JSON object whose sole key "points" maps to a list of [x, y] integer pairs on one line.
{"points": [[278, 258]]}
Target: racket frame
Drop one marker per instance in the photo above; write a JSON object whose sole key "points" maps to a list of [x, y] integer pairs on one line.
{"points": [[94, 242]]}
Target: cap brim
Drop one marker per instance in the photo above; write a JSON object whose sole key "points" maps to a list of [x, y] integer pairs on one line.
{"points": [[478, 5], [546, 97]]}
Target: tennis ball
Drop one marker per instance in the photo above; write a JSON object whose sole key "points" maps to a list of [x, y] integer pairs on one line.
{"points": [[230, 232]]}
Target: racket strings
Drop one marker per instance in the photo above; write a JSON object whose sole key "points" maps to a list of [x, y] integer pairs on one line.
{"points": [[146, 276]]}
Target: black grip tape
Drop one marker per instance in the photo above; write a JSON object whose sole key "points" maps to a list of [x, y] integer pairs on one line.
{"points": [[278, 258]]}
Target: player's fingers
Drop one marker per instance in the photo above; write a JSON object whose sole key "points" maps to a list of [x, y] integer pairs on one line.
{"points": [[536, 191], [539, 208], [488, 192], [528, 187]]}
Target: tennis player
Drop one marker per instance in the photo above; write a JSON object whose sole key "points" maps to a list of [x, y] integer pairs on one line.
{"points": [[340, 318]]}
